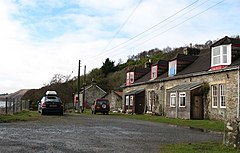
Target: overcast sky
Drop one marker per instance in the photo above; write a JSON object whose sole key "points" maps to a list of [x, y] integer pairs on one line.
{"points": [[40, 38]]}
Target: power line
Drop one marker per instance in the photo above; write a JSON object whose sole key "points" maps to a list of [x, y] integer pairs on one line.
{"points": [[147, 40], [180, 23], [154, 25], [121, 27], [117, 46], [177, 18]]}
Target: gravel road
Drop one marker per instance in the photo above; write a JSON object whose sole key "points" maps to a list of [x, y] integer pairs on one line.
{"points": [[94, 134]]}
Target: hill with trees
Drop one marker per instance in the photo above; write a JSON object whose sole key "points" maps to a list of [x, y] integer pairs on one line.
{"points": [[109, 76]]}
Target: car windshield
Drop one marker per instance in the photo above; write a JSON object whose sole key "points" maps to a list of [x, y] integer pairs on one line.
{"points": [[52, 99], [102, 102]]}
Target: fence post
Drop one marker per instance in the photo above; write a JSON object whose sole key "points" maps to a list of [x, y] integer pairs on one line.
{"points": [[6, 105]]}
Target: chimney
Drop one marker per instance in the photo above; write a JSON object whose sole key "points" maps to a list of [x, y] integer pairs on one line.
{"points": [[93, 82], [148, 64]]}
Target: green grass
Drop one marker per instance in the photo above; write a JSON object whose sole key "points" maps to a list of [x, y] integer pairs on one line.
{"points": [[217, 126], [205, 147], [211, 125], [21, 116]]}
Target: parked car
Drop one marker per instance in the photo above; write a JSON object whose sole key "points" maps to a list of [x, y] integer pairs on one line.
{"points": [[50, 103], [101, 105]]}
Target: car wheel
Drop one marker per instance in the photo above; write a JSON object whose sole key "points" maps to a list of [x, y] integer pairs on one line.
{"points": [[43, 113], [95, 112], [107, 113], [61, 113]]}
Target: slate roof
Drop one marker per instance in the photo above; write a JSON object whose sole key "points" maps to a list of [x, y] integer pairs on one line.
{"points": [[197, 65], [186, 86], [134, 92], [202, 63], [226, 40]]}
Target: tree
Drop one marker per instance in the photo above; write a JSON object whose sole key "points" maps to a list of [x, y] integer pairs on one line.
{"points": [[58, 78], [108, 66]]}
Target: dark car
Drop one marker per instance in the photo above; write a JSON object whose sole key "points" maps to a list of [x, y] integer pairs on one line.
{"points": [[50, 103], [101, 105]]}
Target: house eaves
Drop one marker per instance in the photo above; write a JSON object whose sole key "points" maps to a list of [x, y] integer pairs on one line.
{"points": [[185, 76], [186, 86]]}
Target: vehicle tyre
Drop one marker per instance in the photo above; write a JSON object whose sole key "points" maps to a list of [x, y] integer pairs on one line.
{"points": [[43, 113], [95, 112], [107, 113], [61, 113]]}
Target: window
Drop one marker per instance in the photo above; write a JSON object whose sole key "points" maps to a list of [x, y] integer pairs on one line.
{"points": [[172, 68], [219, 95], [154, 72], [127, 79], [131, 100], [182, 99], [214, 96], [216, 56], [221, 55], [127, 101], [131, 77], [222, 96], [151, 100], [172, 99]]}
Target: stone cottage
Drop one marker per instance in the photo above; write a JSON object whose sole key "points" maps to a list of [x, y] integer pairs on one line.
{"points": [[115, 99], [193, 85], [92, 92]]}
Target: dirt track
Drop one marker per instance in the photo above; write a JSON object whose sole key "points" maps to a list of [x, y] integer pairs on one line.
{"points": [[95, 133]]}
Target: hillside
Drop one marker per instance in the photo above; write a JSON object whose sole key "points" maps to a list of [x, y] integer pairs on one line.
{"points": [[109, 76], [16, 95]]}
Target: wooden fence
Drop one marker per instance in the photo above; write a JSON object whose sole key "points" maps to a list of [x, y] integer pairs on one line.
{"points": [[13, 105]]}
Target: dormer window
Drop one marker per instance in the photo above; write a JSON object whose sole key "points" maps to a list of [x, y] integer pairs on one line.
{"points": [[154, 72], [221, 57], [130, 78], [172, 68]]}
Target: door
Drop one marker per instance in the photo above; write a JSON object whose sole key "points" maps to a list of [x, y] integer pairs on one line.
{"points": [[197, 108], [139, 103]]}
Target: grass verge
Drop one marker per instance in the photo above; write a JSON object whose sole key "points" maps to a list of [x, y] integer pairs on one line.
{"points": [[21, 116], [217, 126], [204, 147]]}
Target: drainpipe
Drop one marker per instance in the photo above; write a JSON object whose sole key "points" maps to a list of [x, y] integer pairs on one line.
{"points": [[238, 96], [177, 103]]}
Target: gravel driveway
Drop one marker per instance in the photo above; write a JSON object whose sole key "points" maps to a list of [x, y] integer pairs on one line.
{"points": [[94, 133]]}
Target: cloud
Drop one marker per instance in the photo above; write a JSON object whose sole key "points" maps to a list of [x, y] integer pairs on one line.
{"points": [[47, 37]]}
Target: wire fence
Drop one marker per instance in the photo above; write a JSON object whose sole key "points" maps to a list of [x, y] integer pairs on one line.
{"points": [[13, 105]]}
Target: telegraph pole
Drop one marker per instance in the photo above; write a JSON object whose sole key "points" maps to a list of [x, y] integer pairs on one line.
{"points": [[84, 84], [78, 87]]}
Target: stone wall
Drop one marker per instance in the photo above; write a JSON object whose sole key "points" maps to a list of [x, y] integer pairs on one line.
{"points": [[115, 101], [231, 136], [229, 78]]}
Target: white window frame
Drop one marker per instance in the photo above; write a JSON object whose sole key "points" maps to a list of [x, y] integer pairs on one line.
{"points": [[214, 96], [221, 55], [154, 71], [127, 100], [131, 77], [182, 95], [131, 100], [173, 95], [222, 95], [128, 78], [172, 65], [151, 99]]}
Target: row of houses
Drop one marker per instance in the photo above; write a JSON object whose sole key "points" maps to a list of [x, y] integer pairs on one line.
{"points": [[195, 84]]}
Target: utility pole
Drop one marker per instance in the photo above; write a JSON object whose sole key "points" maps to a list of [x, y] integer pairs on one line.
{"points": [[78, 92], [84, 84]]}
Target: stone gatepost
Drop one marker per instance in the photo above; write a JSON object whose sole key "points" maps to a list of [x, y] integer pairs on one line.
{"points": [[231, 136]]}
